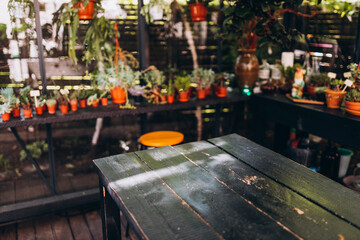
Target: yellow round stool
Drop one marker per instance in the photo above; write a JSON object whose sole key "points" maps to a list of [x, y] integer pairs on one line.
{"points": [[161, 138]]}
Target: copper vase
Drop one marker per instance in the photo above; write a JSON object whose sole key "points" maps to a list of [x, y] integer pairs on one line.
{"points": [[247, 67]]}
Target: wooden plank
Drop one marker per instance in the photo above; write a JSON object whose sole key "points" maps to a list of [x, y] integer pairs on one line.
{"points": [[79, 228], [61, 228], [321, 190], [85, 181], [225, 210], [267, 195], [8, 232], [153, 209], [7, 190], [93, 220], [65, 184], [26, 231], [43, 228], [28, 189]]}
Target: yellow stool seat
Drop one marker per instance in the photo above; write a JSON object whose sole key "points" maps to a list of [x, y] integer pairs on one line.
{"points": [[161, 138]]}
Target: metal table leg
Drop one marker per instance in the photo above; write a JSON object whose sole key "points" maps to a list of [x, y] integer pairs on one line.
{"points": [[51, 157]]}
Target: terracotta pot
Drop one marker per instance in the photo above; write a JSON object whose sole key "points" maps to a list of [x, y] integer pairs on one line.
{"points": [[27, 112], [311, 90], [96, 103], [74, 105], [170, 99], [247, 67], [201, 94], [104, 101], [207, 90], [184, 97], [221, 91], [82, 103], [198, 12], [64, 108], [51, 109], [87, 12], [5, 117], [16, 112], [355, 106], [163, 99], [334, 98], [39, 110], [118, 95]]}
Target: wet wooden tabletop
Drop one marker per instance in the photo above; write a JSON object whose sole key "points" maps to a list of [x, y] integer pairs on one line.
{"points": [[227, 188]]}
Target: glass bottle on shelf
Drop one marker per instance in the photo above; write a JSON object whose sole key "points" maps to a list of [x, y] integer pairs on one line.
{"points": [[307, 67], [316, 64], [356, 179]]}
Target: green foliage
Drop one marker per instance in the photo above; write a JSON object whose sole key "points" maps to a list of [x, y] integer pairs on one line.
{"points": [[92, 99], [160, 4], [253, 19], [82, 93], [5, 107], [204, 2], [336, 84], [289, 72], [318, 80], [154, 78], [353, 95], [36, 149], [125, 77], [4, 163], [182, 82], [343, 8], [25, 95], [202, 77], [51, 102], [170, 87]]}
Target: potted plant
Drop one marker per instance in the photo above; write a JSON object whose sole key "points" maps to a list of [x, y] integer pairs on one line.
{"points": [[352, 101], [170, 91], [51, 105], [5, 110], [255, 23], [118, 81], [316, 80], [320, 93], [63, 99], [85, 8], [103, 96], [26, 101], [73, 101], [155, 83], [198, 9], [155, 10], [82, 95], [138, 93], [93, 100], [7, 95], [182, 84], [335, 95], [39, 105], [203, 78], [222, 82]]}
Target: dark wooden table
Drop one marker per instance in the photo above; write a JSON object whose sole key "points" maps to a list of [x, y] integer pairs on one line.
{"points": [[332, 124], [223, 188], [60, 201]]}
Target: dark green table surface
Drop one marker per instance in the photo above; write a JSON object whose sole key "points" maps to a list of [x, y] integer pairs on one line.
{"points": [[227, 188]]}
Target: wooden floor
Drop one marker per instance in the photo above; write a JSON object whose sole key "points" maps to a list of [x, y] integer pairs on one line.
{"points": [[72, 224]]}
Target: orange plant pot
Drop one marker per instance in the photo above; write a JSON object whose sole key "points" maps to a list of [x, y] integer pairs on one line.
{"points": [[221, 92], [334, 98], [51, 109], [183, 97], [16, 112], [64, 108], [5, 117], [118, 95], [163, 99], [27, 113], [197, 12], [104, 101], [74, 105], [95, 104], [207, 90], [201, 93], [82, 103], [355, 106], [85, 13], [39, 110], [170, 99]]}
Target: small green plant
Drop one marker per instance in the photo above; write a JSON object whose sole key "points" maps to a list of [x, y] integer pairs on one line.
{"points": [[36, 149], [51, 102], [203, 78], [336, 84], [159, 5], [62, 96], [224, 79], [82, 93], [92, 99], [289, 72], [319, 80], [5, 108], [353, 95], [182, 83], [170, 87], [5, 164], [25, 96], [320, 89]]}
